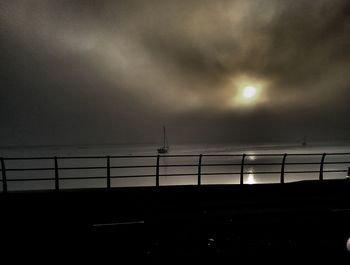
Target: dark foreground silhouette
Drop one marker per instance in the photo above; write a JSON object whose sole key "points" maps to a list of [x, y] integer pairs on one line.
{"points": [[305, 220]]}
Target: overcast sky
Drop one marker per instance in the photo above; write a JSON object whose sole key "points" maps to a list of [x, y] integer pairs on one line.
{"points": [[95, 72]]}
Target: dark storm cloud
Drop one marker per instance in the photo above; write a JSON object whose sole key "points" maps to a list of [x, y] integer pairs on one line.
{"points": [[300, 45], [115, 71], [308, 46]]}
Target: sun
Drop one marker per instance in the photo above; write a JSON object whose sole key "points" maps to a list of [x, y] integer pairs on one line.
{"points": [[249, 92], [245, 92]]}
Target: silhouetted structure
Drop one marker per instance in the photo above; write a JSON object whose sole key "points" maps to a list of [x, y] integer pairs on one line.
{"points": [[200, 223]]}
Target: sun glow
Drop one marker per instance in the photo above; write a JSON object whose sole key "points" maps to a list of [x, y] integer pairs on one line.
{"points": [[249, 92]]}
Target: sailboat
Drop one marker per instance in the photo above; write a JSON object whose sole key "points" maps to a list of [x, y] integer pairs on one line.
{"points": [[164, 149]]}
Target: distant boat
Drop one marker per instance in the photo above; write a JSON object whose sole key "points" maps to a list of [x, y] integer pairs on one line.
{"points": [[165, 148], [304, 143]]}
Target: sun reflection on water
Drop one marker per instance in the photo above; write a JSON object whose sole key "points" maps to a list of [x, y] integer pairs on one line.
{"points": [[251, 179]]}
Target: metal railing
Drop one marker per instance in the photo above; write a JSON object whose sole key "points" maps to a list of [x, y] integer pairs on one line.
{"points": [[156, 166]]}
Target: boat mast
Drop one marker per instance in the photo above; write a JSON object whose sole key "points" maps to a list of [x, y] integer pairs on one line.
{"points": [[163, 136], [165, 141], [166, 145]]}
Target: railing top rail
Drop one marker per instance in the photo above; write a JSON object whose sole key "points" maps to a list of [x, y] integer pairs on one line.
{"points": [[248, 154], [177, 174], [104, 157], [29, 158]]}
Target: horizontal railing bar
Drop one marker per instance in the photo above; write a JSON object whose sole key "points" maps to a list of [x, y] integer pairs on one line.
{"points": [[176, 165], [274, 164], [315, 171], [179, 174], [221, 173], [28, 158], [77, 178], [263, 172], [62, 157], [298, 154], [103, 177], [334, 163], [245, 173], [142, 166], [74, 168], [80, 157], [179, 165], [221, 164], [30, 179], [279, 164], [272, 154], [153, 166], [31, 169], [316, 163], [261, 155], [81, 178], [133, 176], [274, 172], [179, 155], [81, 168], [60, 168], [221, 155], [134, 156], [112, 177], [336, 154], [275, 154], [62, 178], [335, 171]]}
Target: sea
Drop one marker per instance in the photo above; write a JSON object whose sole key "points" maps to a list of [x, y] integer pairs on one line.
{"points": [[84, 166]]}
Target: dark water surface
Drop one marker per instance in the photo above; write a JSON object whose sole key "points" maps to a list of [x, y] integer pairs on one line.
{"points": [[227, 172]]}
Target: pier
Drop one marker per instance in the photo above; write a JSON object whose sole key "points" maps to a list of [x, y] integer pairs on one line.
{"points": [[198, 222]]}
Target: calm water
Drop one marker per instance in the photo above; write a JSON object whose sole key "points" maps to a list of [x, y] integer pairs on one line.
{"points": [[232, 176]]}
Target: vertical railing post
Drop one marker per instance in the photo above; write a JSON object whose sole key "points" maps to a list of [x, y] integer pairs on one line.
{"points": [[242, 170], [282, 169], [4, 179], [200, 170], [157, 172], [321, 165], [348, 175], [57, 184], [108, 172]]}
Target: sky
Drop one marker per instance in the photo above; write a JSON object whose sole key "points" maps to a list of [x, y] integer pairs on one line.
{"points": [[99, 72]]}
